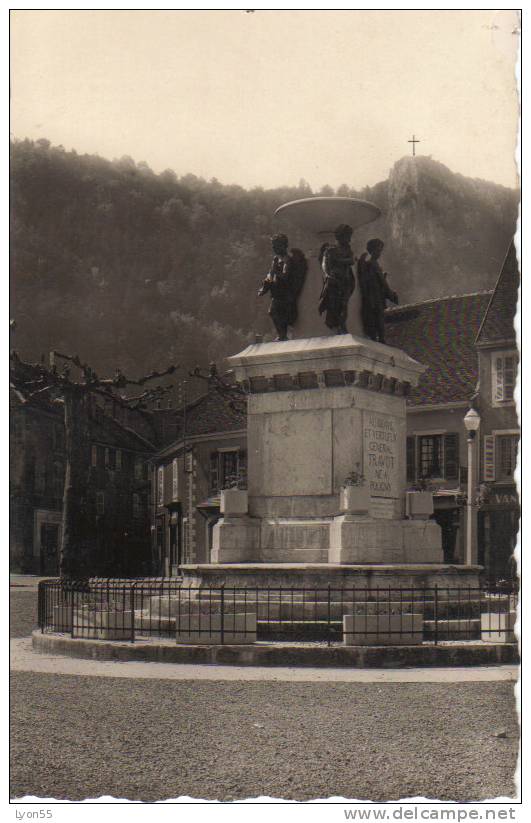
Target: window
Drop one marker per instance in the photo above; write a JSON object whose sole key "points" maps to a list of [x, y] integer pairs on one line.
{"points": [[119, 459], [500, 451], [58, 478], [160, 485], [40, 476], [94, 456], [227, 468], [432, 456], [506, 452], [137, 505], [139, 468], [100, 502], [175, 479], [503, 377], [57, 437], [430, 452]]}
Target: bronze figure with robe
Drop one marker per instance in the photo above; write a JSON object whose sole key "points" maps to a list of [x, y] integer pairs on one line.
{"points": [[336, 263], [375, 291], [284, 282]]}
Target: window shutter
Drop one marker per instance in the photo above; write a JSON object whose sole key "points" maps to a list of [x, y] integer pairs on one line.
{"points": [[488, 458], [94, 455], [451, 457], [160, 485], [175, 479], [410, 458], [497, 379], [508, 378]]}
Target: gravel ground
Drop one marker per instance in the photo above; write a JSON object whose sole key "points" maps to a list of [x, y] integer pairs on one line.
{"points": [[22, 611], [77, 737]]}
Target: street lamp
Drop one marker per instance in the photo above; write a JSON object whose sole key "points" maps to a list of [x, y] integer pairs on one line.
{"points": [[472, 421]]}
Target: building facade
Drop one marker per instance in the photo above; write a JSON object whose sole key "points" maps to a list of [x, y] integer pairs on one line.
{"points": [[210, 454], [441, 334], [118, 497], [498, 359]]}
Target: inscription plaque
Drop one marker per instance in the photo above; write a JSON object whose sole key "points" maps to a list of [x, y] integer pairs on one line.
{"points": [[380, 454]]}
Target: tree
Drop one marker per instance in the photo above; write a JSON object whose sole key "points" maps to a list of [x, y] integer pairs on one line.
{"points": [[32, 381]]}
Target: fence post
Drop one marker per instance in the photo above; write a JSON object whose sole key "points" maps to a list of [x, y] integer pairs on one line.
{"points": [[328, 616], [40, 589], [222, 603], [72, 609], [133, 612], [436, 612]]}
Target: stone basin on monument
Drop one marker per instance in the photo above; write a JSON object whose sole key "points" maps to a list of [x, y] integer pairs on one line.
{"points": [[309, 223]]}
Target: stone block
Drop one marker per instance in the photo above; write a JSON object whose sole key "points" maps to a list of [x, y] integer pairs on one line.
{"points": [[290, 453], [382, 629], [498, 628], [357, 539], [419, 505], [216, 629], [234, 502], [62, 618], [235, 539], [354, 499], [422, 541], [103, 625]]}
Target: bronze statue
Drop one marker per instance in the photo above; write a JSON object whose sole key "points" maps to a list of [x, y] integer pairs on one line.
{"points": [[375, 291], [336, 263], [284, 281]]}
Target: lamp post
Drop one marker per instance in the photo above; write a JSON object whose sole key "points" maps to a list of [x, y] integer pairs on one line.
{"points": [[472, 421]]}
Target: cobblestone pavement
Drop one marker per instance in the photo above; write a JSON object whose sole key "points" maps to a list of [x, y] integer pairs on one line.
{"points": [[81, 736]]}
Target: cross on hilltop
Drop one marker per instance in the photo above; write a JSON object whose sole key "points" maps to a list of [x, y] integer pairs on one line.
{"points": [[413, 146]]}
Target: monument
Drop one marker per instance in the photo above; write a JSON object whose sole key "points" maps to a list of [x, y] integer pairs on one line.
{"points": [[326, 423]]}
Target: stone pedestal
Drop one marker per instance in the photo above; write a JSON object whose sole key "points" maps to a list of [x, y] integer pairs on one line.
{"points": [[355, 539], [236, 536], [319, 409]]}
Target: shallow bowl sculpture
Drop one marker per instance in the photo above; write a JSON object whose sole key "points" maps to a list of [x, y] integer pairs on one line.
{"points": [[321, 215]]}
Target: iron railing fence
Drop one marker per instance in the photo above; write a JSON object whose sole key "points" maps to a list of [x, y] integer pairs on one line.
{"points": [[165, 608]]}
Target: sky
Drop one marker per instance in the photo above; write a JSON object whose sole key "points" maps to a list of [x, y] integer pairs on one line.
{"points": [[270, 97]]}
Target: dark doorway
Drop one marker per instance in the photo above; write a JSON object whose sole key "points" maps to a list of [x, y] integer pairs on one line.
{"points": [[160, 545], [49, 548], [448, 520], [497, 532]]}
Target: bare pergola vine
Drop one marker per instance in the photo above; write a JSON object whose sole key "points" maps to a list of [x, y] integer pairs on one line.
{"points": [[36, 381]]}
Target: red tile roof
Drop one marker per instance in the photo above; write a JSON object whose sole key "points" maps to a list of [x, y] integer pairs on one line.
{"points": [[209, 413], [498, 323], [440, 334]]}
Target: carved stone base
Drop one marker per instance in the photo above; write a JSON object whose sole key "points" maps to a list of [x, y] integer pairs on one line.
{"points": [[235, 539], [360, 540]]}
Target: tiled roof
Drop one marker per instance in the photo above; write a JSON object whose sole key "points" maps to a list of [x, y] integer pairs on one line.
{"points": [[110, 432], [207, 414], [441, 335], [498, 323], [212, 413]]}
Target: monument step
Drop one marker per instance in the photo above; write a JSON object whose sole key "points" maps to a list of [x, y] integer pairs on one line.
{"points": [[452, 629], [308, 628], [287, 606]]}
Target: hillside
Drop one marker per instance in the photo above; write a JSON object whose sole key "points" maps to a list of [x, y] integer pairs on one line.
{"points": [[129, 268]]}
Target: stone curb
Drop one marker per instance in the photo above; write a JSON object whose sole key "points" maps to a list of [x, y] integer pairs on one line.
{"points": [[465, 654]]}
